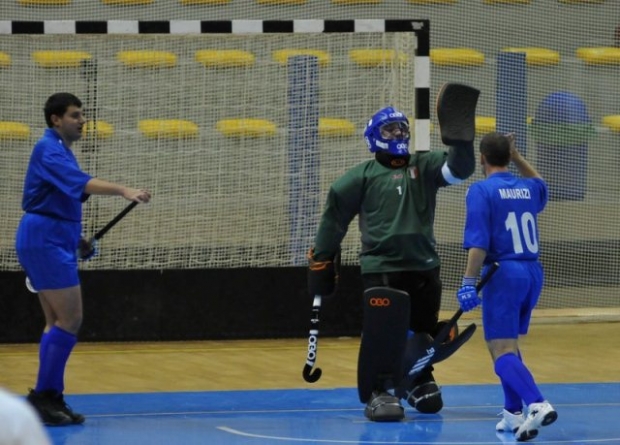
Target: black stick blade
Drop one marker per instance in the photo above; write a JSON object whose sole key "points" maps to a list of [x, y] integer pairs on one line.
{"points": [[311, 376]]}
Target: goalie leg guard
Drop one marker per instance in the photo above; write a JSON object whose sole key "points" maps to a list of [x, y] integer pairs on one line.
{"points": [[384, 335]]}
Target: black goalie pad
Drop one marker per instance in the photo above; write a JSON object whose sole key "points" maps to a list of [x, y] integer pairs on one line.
{"points": [[422, 351], [456, 113], [384, 334]]}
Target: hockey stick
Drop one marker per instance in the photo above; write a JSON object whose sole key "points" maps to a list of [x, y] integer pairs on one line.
{"points": [[435, 349], [98, 235], [114, 221], [445, 330], [310, 375]]}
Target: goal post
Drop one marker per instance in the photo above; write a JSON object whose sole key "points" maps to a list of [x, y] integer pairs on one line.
{"points": [[238, 127]]}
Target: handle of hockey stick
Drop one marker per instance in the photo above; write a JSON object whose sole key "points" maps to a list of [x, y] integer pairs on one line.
{"points": [[308, 373], [445, 331], [114, 221]]}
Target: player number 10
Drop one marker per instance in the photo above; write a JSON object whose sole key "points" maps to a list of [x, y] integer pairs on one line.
{"points": [[524, 229]]}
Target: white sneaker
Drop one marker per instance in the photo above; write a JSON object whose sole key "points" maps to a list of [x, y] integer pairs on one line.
{"points": [[510, 422], [538, 414]]}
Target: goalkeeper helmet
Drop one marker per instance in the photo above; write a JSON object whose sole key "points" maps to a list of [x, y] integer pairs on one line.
{"points": [[388, 130]]}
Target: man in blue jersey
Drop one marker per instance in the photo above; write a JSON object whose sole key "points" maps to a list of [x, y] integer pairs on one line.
{"points": [[394, 195], [501, 226], [48, 244]]}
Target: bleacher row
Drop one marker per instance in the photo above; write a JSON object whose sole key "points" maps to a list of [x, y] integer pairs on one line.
{"points": [[441, 57], [244, 127], [291, 2]]}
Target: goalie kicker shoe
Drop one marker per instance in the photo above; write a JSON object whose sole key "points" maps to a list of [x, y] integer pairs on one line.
{"points": [[384, 407], [538, 414], [52, 409], [425, 395], [510, 422]]}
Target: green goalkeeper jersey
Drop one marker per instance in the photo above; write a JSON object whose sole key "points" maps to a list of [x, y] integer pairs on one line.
{"points": [[396, 208]]}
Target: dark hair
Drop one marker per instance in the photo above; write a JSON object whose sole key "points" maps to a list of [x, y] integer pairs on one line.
{"points": [[57, 105], [496, 149]]}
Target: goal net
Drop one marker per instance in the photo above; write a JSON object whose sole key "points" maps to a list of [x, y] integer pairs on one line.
{"points": [[230, 150], [237, 135]]}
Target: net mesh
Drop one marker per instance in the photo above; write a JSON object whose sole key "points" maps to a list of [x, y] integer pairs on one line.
{"points": [[224, 202], [213, 143]]}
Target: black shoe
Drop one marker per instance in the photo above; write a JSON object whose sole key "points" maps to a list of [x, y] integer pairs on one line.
{"points": [[52, 409], [384, 407], [76, 418], [425, 395]]}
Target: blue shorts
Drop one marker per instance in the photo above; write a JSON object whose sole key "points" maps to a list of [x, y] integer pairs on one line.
{"points": [[46, 249], [509, 298]]}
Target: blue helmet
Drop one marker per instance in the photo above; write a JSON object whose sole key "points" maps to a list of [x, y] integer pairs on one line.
{"points": [[377, 141]]}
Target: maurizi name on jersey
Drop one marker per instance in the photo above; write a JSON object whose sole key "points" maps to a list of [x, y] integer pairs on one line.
{"points": [[522, 193]]}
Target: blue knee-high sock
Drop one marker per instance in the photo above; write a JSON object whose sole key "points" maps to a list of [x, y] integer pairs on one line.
{"points": [[515, 375], [54, 353], [43, 347], [512, 399]]}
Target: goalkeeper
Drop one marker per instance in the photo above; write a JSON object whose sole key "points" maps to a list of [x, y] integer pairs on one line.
{"points": [[394, 196]]}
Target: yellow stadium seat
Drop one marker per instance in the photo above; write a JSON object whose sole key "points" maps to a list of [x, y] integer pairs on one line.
{"points": [[147, 59], [335, 127], [168, 128], [369, 58], [612, 122], [512, 2], [280, 2], [204, 2], [252, 128], [225, 58], [44, 2], [356, 2], [484, 124], [431, 2], [606, 55], [60, 59], [457, 57], [14, 131], [282, 56], [5, 60], [99, 129], [127, 2], [537, 56], [487, 124]]}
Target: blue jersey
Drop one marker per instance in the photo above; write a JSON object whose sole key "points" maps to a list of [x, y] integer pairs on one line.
{"points": [[54, 183], [502, 216]]}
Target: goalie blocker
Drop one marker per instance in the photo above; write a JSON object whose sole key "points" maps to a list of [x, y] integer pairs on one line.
{"points": [[456, 113]]}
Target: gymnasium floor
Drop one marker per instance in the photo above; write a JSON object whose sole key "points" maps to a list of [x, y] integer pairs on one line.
{"points": [[588, 414], [251, 392]]}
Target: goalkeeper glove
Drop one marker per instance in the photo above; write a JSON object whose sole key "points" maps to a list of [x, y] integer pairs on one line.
{"points": [[322, 275]]}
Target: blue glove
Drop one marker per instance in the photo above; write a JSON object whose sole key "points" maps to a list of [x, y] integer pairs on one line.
{"points": [[87, 249], [467, 295]]}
